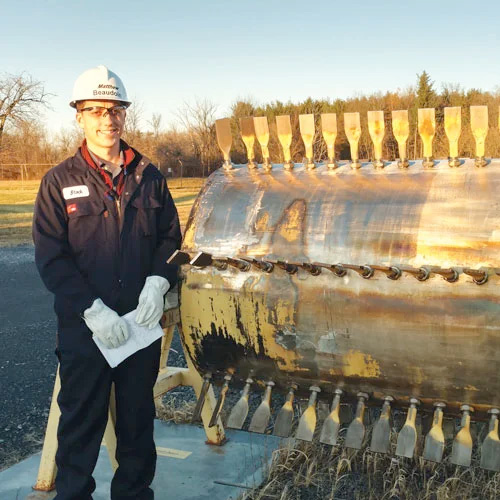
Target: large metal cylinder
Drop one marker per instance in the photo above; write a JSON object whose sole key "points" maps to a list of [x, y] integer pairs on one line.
{"points": [[432, 339]]}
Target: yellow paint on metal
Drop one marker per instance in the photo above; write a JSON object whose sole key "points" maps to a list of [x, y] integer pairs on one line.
{"points": [[416, 375], [188, 237], [358, 364], [261, 224], [204, 308], [471, 388], [291, 225]]}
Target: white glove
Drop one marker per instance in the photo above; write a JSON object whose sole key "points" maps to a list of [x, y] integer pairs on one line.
{"points": [[105, 324], [150, 307]]}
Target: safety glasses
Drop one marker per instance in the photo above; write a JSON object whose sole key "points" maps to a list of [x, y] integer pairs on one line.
{"points": [[101, 112]]}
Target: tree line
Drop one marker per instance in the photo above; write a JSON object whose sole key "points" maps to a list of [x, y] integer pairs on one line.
{"points": [[190, 149]]}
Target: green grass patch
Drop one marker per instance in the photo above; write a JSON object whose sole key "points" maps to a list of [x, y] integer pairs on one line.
{"points": [[17, 199]]}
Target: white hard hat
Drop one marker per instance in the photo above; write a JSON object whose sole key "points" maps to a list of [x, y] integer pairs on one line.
{"points": [[99, 83]]}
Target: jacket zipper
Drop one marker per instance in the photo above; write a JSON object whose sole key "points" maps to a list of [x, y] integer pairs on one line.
{"points": [[118, 210]]}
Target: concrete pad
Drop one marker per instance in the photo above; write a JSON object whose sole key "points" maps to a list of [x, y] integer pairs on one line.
{"points": [[187, 468]]}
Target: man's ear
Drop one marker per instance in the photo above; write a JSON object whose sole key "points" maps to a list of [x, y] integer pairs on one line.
{"points": [[79, 120]]}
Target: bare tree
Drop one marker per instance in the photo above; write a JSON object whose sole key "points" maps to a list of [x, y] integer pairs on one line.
{"points": [[133, 122], [21, 96], [199, 121], [155, 123]]}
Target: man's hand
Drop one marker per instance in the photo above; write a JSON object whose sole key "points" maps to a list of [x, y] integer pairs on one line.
{"points": [[105, 324], [150, 307]]}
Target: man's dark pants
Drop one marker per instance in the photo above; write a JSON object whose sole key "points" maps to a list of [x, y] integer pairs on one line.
{"points": [[84, 398]]}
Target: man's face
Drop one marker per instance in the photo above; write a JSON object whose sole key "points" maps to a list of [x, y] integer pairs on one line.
{"points": [[102, 129]]}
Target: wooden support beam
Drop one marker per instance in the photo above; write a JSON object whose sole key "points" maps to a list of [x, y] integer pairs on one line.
{"points": [[168, 378], [47, 469]]}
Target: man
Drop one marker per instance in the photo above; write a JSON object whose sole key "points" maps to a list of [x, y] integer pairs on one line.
{"points": [[104, 226]]}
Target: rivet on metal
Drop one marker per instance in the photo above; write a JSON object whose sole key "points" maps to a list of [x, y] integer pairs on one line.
{"points": [[364, 271], [490, 449], [450, 275], [428, 162], [336, 269], [392, 272], [288, 267], [262, 414], [239, 264], [381, 434], [261, 265], [407, 437], [461, 452], [311, 268], [220, 400], [434, 441], [307, 422], [201, 399], [240, 411], [331, 425], [421, 273], [356, 429], [480, 161], [479, 277], [284, 420]]}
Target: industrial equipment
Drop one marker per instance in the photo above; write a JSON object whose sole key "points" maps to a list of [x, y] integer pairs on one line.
{"points": [[371, 283]]}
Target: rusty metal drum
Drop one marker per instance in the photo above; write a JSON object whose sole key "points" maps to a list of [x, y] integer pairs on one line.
{"points": [[385, 281]]}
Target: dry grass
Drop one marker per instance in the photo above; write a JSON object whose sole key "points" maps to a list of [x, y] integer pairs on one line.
{"points": [[17, 199], [16, 211], [170, 409], [309, 471]]}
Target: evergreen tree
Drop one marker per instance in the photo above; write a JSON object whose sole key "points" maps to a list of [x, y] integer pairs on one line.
{"points": [[426, 96]]}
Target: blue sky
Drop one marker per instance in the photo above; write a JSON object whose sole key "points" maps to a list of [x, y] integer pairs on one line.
{"points": [[171, 52]]}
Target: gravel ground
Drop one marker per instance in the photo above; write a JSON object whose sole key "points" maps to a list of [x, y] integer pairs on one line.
{"points": [[27, 360], [28, 363]]}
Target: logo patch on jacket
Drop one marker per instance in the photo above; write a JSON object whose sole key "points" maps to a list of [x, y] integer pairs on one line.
{"points": [[72, 208], [75, 192]]}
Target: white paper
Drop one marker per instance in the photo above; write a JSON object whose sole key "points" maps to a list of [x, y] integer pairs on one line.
{"points": [[139, 338]]}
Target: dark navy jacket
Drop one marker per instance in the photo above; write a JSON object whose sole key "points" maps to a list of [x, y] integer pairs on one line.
{"points": [[89, 246]]}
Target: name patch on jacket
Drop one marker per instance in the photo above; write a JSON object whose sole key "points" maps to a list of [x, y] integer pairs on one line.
{"points": [[75, 192]]}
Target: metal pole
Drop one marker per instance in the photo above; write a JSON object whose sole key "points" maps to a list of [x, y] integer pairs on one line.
{"points": [[181, 165]]}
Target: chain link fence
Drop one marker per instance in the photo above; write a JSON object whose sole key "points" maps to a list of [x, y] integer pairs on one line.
{"points": [[35, 171], [23, 171]]}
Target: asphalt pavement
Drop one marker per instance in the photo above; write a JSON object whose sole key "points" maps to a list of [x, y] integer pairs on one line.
{"points": [[27, 360]]}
